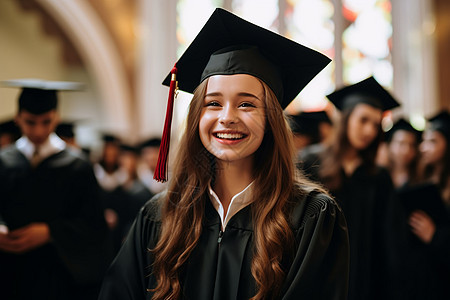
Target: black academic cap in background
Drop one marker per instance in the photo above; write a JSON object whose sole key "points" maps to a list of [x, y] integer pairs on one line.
{"points": [[128, 148], [10, 127], [40, 96], [402, 124], [367, 91], [308, 122], [441, 123], [110, 138], [151, 142], [65, 129], [228, 44]]}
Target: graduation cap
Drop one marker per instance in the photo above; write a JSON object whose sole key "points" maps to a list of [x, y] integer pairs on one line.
{"points": [[152, 142], [65, 129], [308, 122], [367, 91], [10, 127], [441, 123], [110, 138], [402, 124], [228, 45], [40, 96], [128, 148]]}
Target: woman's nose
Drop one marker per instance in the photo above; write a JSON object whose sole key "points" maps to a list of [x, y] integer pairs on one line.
{"points": [[228, 116]]}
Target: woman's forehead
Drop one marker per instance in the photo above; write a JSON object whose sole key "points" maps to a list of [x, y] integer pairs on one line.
{"points": [[238, 83]]}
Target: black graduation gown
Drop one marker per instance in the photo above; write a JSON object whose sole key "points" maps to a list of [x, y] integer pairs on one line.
{"points": [[62, 192], [126, 201], [369, 206], [423, 269], [319, 269]]}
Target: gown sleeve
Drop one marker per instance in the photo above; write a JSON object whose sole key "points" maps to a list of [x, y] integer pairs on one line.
{"points": [[320, 266], [80, 235], [126, 278]]}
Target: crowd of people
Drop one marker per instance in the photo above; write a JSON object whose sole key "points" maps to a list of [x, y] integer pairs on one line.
{"points": [[260, 204], [393, 188]]}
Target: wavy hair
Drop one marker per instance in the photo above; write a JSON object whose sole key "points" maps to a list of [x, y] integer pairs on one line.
{"points": [[277, 182], [330, 170], [426, 171]]}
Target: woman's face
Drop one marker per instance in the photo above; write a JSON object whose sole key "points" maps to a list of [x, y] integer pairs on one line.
{"points": [[363, 125], [232, 122], [433, 147], [403, 147]]}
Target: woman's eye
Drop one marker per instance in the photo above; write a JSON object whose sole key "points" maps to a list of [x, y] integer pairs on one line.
{"points": [[247, 104], [212, 103]]}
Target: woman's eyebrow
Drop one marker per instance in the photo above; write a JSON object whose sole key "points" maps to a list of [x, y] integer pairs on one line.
{"points": [[250, 95], [213, 94], [242, 94]]}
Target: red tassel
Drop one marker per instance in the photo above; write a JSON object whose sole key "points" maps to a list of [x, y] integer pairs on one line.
{"points": [[161, 166]]}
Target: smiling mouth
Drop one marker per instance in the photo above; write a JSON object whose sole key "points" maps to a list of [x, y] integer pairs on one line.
{"points": [[229, 136]]}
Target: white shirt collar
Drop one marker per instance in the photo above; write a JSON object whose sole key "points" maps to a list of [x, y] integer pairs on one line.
{"points": [[238, 202], [51, 146]]}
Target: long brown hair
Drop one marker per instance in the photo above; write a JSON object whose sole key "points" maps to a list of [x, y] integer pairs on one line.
{"points": [[330, 170], [426, 171], [277, 183]]}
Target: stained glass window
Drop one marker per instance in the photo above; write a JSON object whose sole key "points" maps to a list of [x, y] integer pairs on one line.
{"points": [[309, 22], [366, 41], [365, 37]]}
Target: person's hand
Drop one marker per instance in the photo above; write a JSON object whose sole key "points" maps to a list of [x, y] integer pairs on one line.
{"points": [[3, 229], [25, 238], [422, 226], [111, 218]]}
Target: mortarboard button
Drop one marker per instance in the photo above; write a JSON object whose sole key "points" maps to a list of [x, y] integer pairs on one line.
{"points": [[367, 91]]}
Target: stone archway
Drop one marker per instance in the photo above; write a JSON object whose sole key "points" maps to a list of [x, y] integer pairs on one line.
{"points": [[94, 43]]}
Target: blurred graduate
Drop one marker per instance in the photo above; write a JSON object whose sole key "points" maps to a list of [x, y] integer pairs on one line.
{"points": [[347, 168], [425, 263], [55, 241]]}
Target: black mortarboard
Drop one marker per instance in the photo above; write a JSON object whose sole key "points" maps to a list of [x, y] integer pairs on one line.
{"points": [[10, 127], [229, 45], [110, 138], [152, 142], [402, 124], [65, 129], [308, 122], [129, 148], [40, 96], [441, 123], [367, 91]]}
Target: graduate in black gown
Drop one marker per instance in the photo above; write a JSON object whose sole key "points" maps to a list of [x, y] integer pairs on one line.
{"points": [[402, 142], [312, 127], [364, 190], [425, 263], [55, 245], [9, 133], [237, 221]]}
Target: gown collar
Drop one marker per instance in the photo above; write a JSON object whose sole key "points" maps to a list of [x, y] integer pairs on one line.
{"points": [[51, 146], [238, 202]]}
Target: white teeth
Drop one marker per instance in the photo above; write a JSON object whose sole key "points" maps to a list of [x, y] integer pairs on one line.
{"points": [[230, 136]]}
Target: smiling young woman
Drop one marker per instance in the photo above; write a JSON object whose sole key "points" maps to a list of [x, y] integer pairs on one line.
{"points": [[238, 221]]}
